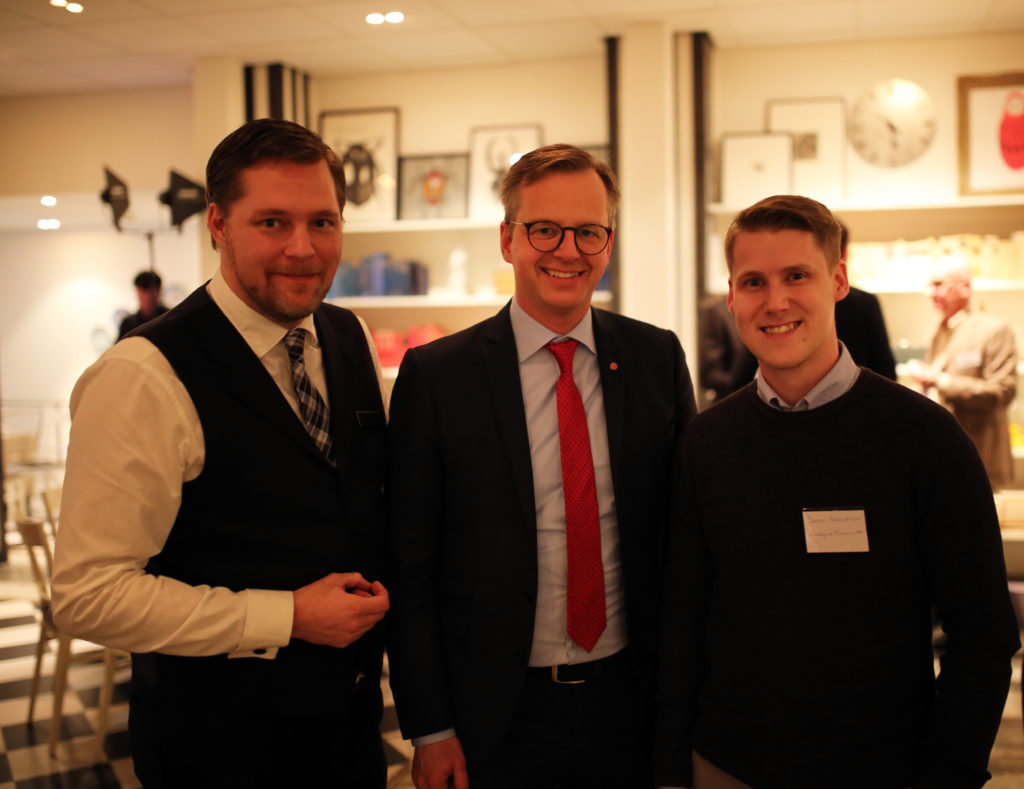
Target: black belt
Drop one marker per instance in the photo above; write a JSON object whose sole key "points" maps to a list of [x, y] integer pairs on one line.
{"points": [[579, 673]]}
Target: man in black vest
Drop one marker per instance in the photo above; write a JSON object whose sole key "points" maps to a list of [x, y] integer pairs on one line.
{"points": [[222, 505]]}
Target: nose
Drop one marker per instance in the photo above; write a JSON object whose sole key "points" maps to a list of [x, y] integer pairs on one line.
{"points": [[567, 249], [776, 298], [300, 244]]}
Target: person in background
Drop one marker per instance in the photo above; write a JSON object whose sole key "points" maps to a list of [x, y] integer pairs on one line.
{"points": [[822, 513], [528, 499], [861, 325], [971, 368], [223, 508], [725, 362], [147, 286]]}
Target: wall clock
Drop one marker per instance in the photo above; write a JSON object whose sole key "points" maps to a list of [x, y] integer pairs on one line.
{"points": [[893, 123]]}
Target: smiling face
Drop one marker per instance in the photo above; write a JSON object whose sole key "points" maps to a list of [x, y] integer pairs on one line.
{"points": [[280, 241], [555, 288], [783, 296]]}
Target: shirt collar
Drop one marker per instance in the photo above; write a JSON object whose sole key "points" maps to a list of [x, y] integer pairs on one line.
{"points": [[531, 335], [958, 317], [261, 333], [837, 382]]}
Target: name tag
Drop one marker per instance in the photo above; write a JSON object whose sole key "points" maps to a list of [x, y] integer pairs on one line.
{"points": [[835, 531]]}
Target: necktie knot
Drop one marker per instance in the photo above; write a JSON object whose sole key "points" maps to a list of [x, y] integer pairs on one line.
{"points": [[563, 352], [295, 341]]}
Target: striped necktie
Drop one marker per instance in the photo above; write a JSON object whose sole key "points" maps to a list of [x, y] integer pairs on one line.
{"points": [[311, 404]]}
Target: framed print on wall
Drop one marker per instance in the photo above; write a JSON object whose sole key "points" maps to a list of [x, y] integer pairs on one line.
{"points": [[818, 129], [492, 149], [755, 166], [990, 125], [433, 187], [367, 143]]}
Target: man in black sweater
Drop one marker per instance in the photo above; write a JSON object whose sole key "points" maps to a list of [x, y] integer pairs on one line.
{"points": [[824, 512]]}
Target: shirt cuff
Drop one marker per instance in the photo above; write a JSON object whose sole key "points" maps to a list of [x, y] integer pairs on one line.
{"points": [[268, 624], [430, 739], [942, 382]]}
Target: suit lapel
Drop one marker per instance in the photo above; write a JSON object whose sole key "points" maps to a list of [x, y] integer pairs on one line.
{"points": [[502, 365], [340, 373], [246, 379], [612, 368]]}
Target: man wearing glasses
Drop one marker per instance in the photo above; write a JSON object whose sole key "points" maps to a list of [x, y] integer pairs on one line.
{"points": [[529, 495]]}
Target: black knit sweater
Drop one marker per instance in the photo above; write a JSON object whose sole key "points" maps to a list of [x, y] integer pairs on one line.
{"points": [[790, 669]]}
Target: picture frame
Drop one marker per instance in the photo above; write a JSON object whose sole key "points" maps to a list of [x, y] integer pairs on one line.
{"points": [[818, 127], [990, 133], [433, 186], [491, 152], [755, 165], [366, 141]]}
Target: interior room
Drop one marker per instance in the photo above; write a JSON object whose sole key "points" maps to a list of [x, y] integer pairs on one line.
{"points": [[700, 106]]}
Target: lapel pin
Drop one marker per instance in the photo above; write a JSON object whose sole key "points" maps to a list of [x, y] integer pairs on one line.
{"points": [[613, 366]]}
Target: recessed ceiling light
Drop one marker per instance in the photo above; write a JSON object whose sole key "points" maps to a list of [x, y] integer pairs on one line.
{"points": [[59, 3], [75, 8], [48, 224], [48, 200], [394, 17], [375, 19]]}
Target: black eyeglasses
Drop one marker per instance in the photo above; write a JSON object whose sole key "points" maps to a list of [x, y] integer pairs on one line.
{"points": [[547, 236]]}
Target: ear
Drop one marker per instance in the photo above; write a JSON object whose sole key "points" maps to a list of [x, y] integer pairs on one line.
{"points": [[506, 240], [215, 221], [841, 280]]}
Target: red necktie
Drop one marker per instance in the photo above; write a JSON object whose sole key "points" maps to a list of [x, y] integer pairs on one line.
{"points": [[582, 527]]}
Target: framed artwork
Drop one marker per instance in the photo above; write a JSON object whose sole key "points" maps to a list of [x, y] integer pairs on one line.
{"points": [[492, 150], [755, 166], [990, 124], [367, 143], [433, 187], [818, 128]]}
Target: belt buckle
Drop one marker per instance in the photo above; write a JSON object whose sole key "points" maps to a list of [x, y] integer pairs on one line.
{"points": [[557, 681]]}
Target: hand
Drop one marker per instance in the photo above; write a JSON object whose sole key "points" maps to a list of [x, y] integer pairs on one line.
{"points": [[924, 374], [338, 609], [440, 765]]}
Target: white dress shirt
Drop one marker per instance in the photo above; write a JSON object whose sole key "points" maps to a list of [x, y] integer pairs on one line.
{"points": [[135, 440], [539, 373]]}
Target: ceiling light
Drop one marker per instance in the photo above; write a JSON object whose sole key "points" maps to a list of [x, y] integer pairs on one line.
{"points": [[394, 17], [48, 224], [48, 200], [375, 19], [75, 8], [59, 3]]}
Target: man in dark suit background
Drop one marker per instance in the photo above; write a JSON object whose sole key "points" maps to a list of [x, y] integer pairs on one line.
{"points": [[494, 679], [223, 508], [861, 325]]}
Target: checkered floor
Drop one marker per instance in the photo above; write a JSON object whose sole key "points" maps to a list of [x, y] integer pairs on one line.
{"points": [[24, 759]]}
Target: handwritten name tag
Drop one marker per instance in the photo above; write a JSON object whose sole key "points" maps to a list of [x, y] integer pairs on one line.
{"points": [[835, 531]]}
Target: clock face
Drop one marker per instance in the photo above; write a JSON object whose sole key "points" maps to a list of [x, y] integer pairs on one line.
{"points": [[893, 123]]}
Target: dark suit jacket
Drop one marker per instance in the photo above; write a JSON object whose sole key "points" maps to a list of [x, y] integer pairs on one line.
{"points": [[462, 522], [861, 327]]}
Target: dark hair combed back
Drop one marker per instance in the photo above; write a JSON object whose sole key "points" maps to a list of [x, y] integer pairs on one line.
{"points": [[557, 158], [265, 140], [788, 212], [148, 280]]}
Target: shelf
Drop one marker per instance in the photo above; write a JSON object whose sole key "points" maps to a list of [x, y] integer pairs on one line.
{"points": [[879, 287]]}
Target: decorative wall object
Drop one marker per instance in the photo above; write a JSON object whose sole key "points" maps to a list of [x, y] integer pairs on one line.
{"points": [[367, 142], [433, 187], [818, 127], [893, 123], [990, 115], [492, 149], [755, 166]]}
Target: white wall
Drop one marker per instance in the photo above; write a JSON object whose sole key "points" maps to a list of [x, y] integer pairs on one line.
{"points": [[746, 78], [60, 294], [438, 108]]}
